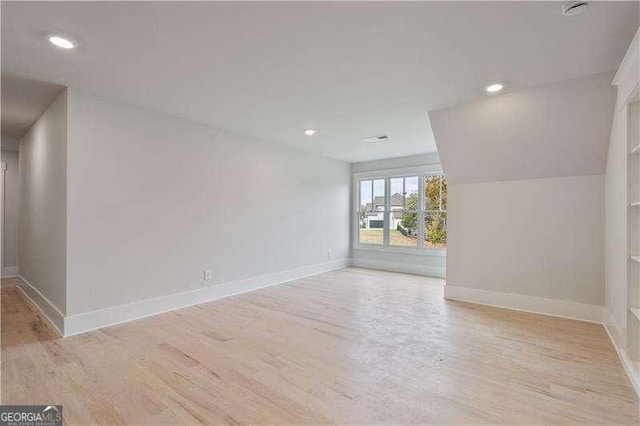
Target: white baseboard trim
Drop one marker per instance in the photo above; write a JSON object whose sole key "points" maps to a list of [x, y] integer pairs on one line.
{"points": [[48, 309], [616, 333], [520, 302], [617, 339], [430, 271], [81, 323], [9, 271]]}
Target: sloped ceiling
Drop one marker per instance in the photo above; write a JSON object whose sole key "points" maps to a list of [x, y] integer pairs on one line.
{"points": [[561, 129], [23, 101]]}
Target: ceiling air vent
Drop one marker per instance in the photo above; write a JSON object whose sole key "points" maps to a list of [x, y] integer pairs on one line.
{"points": [[570, 8], [376, 138]]}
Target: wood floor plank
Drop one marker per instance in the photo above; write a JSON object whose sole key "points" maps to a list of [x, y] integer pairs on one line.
{"points": [[348, 346]]}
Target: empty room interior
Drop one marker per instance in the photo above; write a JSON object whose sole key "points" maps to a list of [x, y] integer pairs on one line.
{"points": [[320, 212]]}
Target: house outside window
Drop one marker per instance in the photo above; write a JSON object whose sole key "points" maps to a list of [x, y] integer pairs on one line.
{"points": [[401, 210]]}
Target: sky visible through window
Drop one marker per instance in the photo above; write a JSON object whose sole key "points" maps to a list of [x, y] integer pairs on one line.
{"points": [[365, 190], [411, 186]]}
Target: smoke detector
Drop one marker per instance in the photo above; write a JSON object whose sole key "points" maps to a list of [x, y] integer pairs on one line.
{"points": [[571, 8], [376, 138]]}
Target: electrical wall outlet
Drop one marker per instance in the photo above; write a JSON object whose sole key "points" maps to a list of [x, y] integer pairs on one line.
{"points": [[208, 274]]}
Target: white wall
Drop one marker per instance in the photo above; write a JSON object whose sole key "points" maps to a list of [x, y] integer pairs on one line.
{"points": [[43, 204], [526, 196], [422, 263], [10, 213], [154, 200], [9, 144], [539, 237]]}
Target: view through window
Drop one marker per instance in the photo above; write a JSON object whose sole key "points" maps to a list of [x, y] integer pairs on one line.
{"points": [[435, 217], [403, 211], [372, 211], [403, 225]]}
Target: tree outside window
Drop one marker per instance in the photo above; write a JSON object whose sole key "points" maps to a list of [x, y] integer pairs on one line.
{"points": [[435, 217], [405, 217]]}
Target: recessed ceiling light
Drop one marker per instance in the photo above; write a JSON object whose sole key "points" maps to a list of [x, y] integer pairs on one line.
{"points": [[493, 88], [310, 132], [61, 42]]}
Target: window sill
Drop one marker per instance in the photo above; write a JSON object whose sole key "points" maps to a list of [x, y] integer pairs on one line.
{"points": [[403, 250]]}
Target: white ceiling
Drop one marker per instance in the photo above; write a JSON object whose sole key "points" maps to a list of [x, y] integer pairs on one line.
{"points": [[351, 70], [23, 101]]}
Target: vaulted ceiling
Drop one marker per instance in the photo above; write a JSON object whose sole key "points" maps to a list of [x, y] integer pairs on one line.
{"points": [[349, 69], [556, 130]]}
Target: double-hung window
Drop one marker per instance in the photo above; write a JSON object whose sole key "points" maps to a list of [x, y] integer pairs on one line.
{"points": [[404, 210]]}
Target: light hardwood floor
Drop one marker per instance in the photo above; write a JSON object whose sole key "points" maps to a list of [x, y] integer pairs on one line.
{"points": [[349, 346]]}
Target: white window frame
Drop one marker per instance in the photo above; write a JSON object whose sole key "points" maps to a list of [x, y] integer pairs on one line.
{"points": [[387, 174]]}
